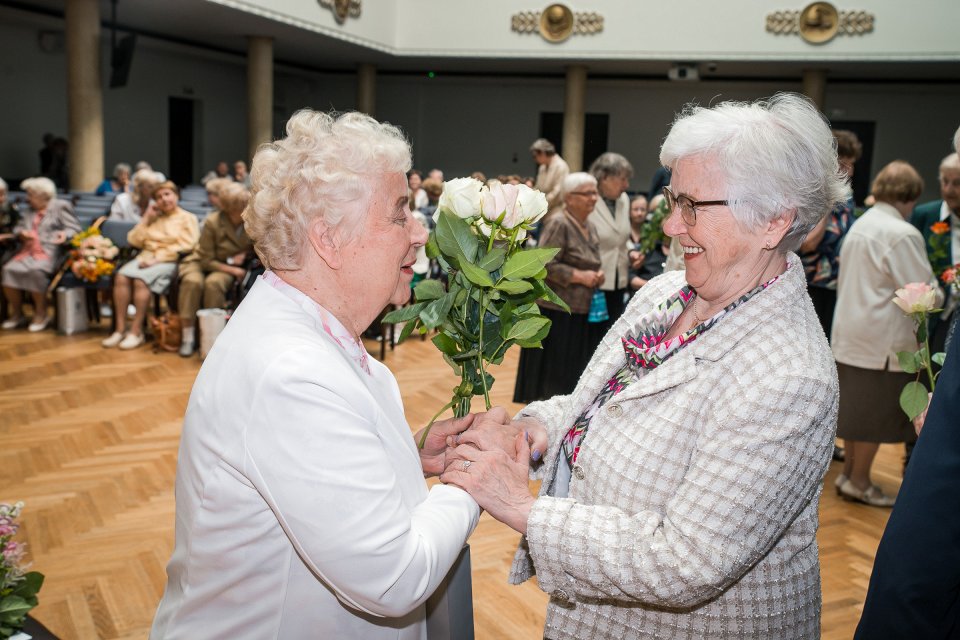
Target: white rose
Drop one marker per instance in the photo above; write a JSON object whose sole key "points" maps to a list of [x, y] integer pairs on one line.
{"points": [[461, 197], [499, 204], [531, 203]]}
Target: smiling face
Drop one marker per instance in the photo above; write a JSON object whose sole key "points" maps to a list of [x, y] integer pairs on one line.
{"points": [[166, 200], [377, 261], [723, 259]]}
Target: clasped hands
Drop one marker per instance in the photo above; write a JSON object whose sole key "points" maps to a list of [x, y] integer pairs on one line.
{"points": [[488, 455]]}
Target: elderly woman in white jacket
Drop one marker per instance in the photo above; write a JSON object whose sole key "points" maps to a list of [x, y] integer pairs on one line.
{"points": [[302, 510], [682, 475]]}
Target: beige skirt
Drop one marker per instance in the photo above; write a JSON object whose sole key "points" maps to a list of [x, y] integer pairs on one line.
{"points": [[870, 405]]}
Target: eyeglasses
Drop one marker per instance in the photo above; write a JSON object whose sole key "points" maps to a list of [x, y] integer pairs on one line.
{"points": [[586, 194], [688, 206]]}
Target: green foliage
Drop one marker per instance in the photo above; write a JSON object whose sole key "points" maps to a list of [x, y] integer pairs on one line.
{"points": [[913, 399]]}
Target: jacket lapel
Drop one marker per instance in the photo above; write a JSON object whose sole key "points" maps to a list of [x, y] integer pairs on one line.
{"points": [[601, 215]]}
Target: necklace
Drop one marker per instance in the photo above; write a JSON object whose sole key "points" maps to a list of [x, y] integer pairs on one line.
{"points": [[696, 316]]}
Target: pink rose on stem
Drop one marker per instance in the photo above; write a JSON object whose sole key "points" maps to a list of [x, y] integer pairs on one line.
{"points": [[916, 297]]}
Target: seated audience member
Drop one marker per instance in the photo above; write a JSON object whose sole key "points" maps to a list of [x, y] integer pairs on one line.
{"points": [[129, 206], [419, 196], [222, 171], [214, 187], [240, 173], [939, 222], [45, 225], [119, 183], [913, 590], [209, 273], [881, 253], [302, 510], [433, 189], [164, 231], [143, 164]]}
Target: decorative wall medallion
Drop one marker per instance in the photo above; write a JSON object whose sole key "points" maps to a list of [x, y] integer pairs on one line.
{"points": [[819, 22], [557, 22], [342, 8]]}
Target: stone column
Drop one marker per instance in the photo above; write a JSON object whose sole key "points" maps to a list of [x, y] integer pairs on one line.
{"points": [[574, 116], [259, 92], [84, 94], [367, 89], [815, 86]]}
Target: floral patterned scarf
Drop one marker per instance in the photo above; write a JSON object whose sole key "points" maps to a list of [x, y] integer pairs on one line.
{"points": [[646, 348]]}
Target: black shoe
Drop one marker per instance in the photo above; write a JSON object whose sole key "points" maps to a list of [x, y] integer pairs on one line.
{"points": [[838, 454]]}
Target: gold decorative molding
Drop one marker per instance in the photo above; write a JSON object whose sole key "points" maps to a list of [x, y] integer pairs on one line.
{"points": [[557, 22], [820, 22], [342, 8]]}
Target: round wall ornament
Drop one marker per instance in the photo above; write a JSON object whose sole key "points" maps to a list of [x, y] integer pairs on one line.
{"points": [[556, 23], [819, 22]]}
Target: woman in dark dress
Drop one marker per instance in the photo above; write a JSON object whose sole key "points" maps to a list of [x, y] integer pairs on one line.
{"points": [[574, 274]]}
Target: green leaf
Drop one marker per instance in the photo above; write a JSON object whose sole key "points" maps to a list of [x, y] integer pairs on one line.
{"points": [[466, 355], [403, 314], [456, 238], [549, 295], [913, 399], [446, 344], [527, 263], [514, 286], [436, 311], [938, 358], [432, 248], [493, 260], [908, 361], [408, 328], [534, 342], [526, 328], [453, 365], [475, 274], [14, 606], [32, 581], [428, 290]]}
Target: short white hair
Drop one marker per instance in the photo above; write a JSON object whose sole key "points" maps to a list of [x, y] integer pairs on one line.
{"points": [[950, 163], [574, 181], [325, 168], [3, 185], [776, 155], [40, 186]]}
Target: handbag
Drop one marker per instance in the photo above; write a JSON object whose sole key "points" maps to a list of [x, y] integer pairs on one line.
{"points": [[167, 331], [598, 308]]}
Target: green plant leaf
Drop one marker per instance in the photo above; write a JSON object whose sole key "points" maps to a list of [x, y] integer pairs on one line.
{"points": [[514, 286], [428, 290], [456, 238], [526, 328], [475, 274], [32, 581], [534, 342], [446, 344], [938, 358], [908, 361], [493, 260], [436, 311], [14, 606], [403, 314], [549, 295], [407, 330], [466, 355], [913, 399], [527, 263], [432, 248]]}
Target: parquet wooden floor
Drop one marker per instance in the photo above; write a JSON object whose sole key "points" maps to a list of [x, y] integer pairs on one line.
{"points": [[88, 439]]}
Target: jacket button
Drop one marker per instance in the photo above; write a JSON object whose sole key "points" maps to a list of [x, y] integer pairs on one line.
{"points": [[578, 472], [615, 410], [561, 595]]}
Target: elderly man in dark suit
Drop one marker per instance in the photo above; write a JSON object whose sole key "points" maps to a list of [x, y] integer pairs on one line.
{"points": [[915, 587]]}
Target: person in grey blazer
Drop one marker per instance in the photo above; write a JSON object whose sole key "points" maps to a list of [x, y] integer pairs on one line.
{"points": [[611, 218], [680, 479]]}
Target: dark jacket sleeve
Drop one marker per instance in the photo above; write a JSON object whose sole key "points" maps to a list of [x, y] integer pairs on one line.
{"points": [[915, 587]]}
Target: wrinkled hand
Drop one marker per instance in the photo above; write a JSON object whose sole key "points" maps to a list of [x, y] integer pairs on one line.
{"points": [[494, 431], [435, 446], [497, 480], [144, 263]]}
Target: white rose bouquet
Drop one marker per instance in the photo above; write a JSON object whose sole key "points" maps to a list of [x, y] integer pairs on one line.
{"points": [[493, 283]]}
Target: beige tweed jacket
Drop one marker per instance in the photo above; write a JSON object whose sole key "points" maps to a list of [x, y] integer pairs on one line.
{"points": [[692, 510]]}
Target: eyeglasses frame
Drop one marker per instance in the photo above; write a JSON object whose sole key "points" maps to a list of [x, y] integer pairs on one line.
{"points": [[674, 201]]}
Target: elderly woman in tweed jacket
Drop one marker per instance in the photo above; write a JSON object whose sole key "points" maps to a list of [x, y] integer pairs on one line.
{"points": [[681, 477]]}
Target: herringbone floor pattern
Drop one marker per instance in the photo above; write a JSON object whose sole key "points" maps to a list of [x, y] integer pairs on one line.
{"points": [[88, 439]]}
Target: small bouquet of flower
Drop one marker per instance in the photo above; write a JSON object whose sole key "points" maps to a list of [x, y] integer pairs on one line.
{"points": [[918, 300], [18, 588], [493, 283], [951, 277], [92, 256]]}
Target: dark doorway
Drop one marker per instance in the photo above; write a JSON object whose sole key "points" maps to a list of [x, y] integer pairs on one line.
{"points": [[861, 170], [596, 129], [181, 140]]}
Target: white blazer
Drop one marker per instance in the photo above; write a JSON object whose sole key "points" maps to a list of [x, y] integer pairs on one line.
{"points": [[613, 231], [302, 511]]}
